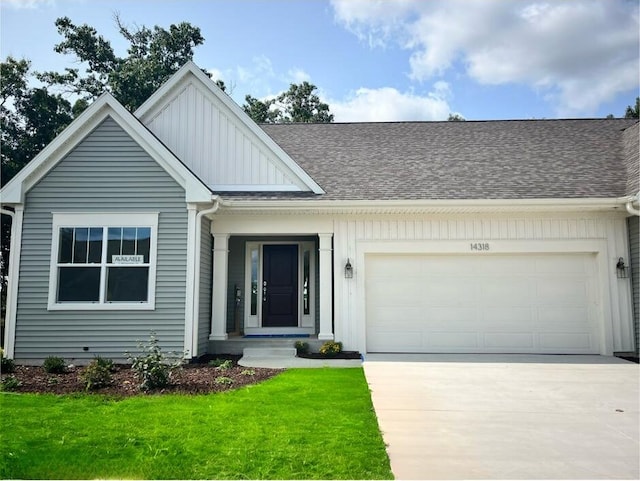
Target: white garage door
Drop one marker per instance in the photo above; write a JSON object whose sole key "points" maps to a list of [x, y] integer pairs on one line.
{"points": [[488, 303]]}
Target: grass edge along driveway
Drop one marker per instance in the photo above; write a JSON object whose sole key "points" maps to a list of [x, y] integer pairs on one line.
{"points": [[301, 424]]}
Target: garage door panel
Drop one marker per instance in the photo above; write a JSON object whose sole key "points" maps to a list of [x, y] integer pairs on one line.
{"points": [[487, 303]]}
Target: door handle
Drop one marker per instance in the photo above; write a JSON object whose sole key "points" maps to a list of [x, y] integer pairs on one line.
{"points": [[264, 291]]}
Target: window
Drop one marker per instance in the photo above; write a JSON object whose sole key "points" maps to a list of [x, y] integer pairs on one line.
{"points": [[103, 261]]}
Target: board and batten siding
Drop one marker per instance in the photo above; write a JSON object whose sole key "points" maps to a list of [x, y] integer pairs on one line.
{"points": [[529, 231], [215, 144], [206, 272], [634, 250], [106, 172]]}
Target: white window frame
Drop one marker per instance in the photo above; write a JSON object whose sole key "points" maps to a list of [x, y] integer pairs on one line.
{"points": [[103, 220]]}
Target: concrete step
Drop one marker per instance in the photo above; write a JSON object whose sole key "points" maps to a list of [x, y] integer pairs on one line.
{"points": [[269, 352]]}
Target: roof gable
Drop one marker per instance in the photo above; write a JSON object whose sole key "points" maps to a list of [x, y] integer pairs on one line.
{"points": [[105, 106], [216, 139]]}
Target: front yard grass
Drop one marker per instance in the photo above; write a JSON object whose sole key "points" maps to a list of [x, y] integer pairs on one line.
{"points": [[302, 424]]}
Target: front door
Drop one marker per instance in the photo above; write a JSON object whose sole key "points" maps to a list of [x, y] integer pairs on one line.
{"points": [[280, 286]]}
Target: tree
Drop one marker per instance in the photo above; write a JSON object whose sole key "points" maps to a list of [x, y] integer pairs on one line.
{"points": [[298, 104], [152, 57], [633, 112], [455, 118]]}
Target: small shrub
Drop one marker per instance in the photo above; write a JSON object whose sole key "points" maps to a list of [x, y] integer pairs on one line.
{"points": [[97, 374], [54, 365], [153, 367], [301, 347], [221, 363], [10, 383], [248, 372], [105, 363], [7, 366], [330, 348], [223, 380]]}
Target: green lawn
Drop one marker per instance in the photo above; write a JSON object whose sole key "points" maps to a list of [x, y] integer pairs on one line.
{"points": [[302, 424]]}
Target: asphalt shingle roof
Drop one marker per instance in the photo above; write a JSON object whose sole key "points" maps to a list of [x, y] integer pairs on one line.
{"points": [[514, 159]]}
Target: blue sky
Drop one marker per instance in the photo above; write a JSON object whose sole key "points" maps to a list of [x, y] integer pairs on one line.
{"points": [[383, 60]]}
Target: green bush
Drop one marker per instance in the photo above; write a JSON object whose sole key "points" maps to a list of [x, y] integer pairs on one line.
{"points": [[153, 367], [10, 383], [301, 347], [222, 364], [7, 366], [97, 374], [223, 380], [330, 348], [54, 365]]}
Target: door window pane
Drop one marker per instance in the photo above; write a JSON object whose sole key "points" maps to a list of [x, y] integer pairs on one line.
{"points": [[254, 282], [306, 307], [127, 284], [79, 284]]}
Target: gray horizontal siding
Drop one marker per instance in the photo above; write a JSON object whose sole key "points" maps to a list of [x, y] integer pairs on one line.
{"points": [[206, 267], [107, 172]]}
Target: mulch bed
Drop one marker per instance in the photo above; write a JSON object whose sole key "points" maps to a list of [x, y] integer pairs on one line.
{"points": [[340, 355], [191, 379]]}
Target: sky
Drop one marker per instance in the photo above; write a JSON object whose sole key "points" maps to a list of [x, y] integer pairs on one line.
{"points": [[382, 60]]}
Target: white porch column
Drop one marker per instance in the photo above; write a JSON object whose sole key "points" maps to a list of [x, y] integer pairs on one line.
{"points": [[219, 297], [326, 293]]}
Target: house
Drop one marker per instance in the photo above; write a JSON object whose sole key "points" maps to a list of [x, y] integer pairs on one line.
{"points": [[188, 219]]}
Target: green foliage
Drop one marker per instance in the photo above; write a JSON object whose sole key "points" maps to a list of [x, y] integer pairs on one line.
{"points": [[256, 433], [153, 55], [153, 367], [330, 348], [223, 380], [221, 363], [7, 366], [456, 118], [54, 365], [298, 104], [633, 112], [248, 372], [302, 347], [10, 383], [98, 373]]}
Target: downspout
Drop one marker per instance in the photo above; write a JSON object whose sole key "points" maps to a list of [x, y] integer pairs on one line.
{"points": [[217, 202], [12, 274], [629, 205]]}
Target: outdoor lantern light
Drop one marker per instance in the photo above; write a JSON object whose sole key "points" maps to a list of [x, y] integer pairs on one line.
{"points": [[348, 270], [621, 269]]}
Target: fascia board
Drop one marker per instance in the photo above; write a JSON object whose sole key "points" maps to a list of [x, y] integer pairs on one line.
{"points": [[105, 106], [152, 106], [427, 206]]}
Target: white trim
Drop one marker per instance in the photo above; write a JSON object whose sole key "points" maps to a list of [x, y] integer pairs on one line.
{"points": [[192, 270], [12, 285], [157, 101], [255, 187], [253, 323], [104, 220], [105, 106], [437, 206]]}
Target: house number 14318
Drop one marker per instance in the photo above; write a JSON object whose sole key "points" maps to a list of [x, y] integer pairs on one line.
{"points": [[479, 246]]}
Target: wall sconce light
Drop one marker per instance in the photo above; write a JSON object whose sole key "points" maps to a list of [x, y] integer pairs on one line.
{"points": [[622, 270], [348, 270]]}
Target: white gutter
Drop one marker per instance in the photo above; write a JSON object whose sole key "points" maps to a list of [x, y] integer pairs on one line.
{"points": [[629, 205], [217, 202], [426, 206], [12, 284]]}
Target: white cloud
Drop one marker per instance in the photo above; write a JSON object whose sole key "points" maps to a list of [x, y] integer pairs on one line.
{"points": [[29, 4], [388, 104], [581, 53], [297, 76]]}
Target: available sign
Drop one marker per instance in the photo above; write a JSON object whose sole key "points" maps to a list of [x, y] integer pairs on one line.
{"points": [[127, 259]]}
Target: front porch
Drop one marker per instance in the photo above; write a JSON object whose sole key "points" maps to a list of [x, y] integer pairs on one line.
{"points": [[236, 344], [276, 284]]}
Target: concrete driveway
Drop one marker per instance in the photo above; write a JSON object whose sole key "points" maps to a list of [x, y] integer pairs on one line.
{"points": [[507, 416]]}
